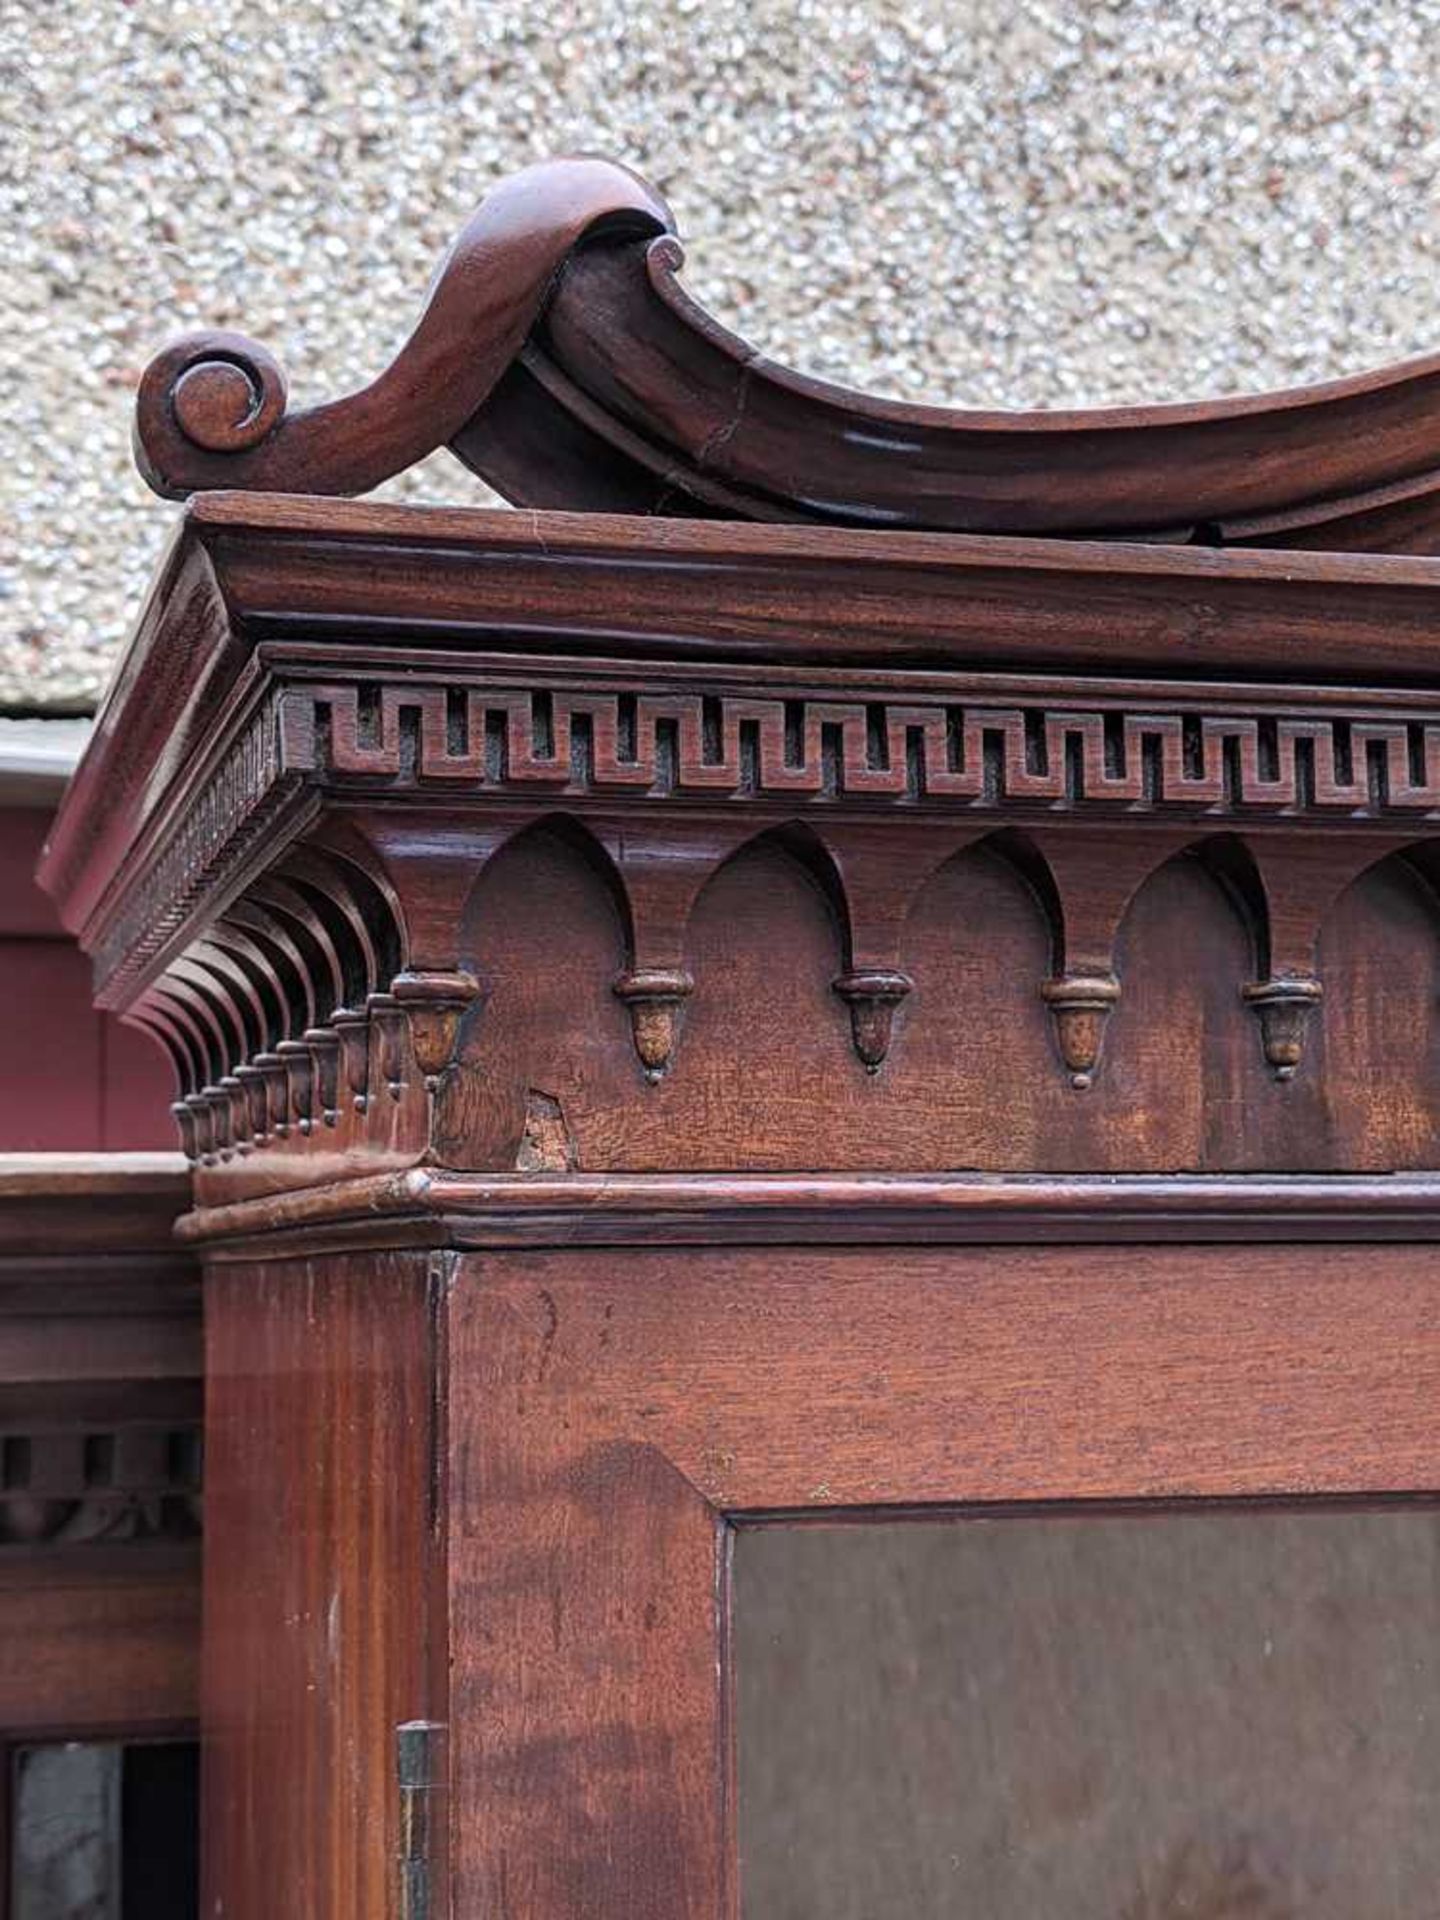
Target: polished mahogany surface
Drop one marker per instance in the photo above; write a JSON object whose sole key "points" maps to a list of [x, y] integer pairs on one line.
{"points": [[601, 846], [559, 357], [627, 1407], [685, 1026], [324, 1560]]}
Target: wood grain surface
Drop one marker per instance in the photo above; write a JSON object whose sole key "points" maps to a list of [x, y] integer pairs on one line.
{"points": [[322, 1550], [614, 1400], [685, 1026]]}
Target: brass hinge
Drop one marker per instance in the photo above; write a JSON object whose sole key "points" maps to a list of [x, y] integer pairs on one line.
{"points": [[419, 1763]]}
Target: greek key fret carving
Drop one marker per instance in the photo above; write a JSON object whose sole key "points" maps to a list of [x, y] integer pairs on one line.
{"points": [[729, 747], [754, 747]]}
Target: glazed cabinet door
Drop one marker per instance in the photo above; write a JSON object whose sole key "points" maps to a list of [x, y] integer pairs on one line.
{"points": [[882, 1582]]}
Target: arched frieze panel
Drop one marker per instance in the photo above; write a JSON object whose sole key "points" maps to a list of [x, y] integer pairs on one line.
{"points": [[360, 867], [1085, 879], [1232, 865], [270, 1054], [811, 852], [546, 1053], [509, 843], [966, 1077], [1028, 862], [1212, 1060], [282, 919], [873, 877], [348, 936], [286, 974], [244, 1098], [162, 1019], [1375, 1048], [764, 1062], [211, 1046], [158, 1022], [292, 915], [287, 1061], [211, 999], [357, 1057], [255, 997], [367, 911], [1182, 1086]]}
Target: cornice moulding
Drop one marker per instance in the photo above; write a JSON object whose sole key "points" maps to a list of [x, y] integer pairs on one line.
{"points": [[440, 1208], [407, 606]]}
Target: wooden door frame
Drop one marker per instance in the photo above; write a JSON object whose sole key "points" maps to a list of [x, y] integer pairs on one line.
{"points": [[635, 1366]]}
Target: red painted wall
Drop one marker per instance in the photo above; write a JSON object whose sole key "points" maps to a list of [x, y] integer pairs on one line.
{"points": [[70, 1079]]}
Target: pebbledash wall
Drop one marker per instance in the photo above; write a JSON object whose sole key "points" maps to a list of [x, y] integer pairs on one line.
{"points": [[1010, 203]]}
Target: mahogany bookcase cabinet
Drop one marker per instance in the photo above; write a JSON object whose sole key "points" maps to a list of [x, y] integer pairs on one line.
{"points": [[688, 1025]]}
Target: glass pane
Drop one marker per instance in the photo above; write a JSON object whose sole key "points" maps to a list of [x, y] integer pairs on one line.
{"points": [[1165, 1716], [66, 1846], [105, 1832], [160, 1832]]}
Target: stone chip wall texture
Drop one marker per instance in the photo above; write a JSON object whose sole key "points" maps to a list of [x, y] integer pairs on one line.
{"points": [[1012, 202]]}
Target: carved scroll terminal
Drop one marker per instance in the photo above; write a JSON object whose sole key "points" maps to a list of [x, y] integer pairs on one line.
{"points": [[623, 372]]}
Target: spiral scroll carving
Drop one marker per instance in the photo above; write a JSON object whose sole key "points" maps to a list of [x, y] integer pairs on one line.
{"points": [[560, 358], [232, 398], [211, 410]]}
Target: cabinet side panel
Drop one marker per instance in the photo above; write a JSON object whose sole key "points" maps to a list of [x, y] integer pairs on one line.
{"points": [[319, 1569]]}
